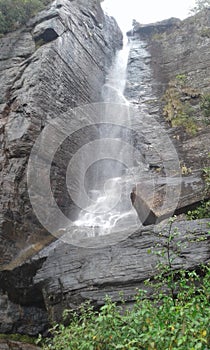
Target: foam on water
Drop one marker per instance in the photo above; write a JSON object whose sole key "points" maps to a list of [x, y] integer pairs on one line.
{"points": [[111, 209]]}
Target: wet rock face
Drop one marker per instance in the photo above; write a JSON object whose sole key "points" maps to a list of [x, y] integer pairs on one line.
{"points": [[58, 61], [177, 47], [167, 80], [68, 275], [15, 318]]}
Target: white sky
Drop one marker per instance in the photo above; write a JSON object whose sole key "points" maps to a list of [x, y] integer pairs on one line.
{"points": [[146, 11]]}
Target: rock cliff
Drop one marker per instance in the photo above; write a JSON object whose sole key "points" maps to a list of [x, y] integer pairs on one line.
{"points": [[63, 276], [168, 79], [59, 61]]}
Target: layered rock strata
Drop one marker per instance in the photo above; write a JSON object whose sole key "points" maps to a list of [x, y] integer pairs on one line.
{"points": [[168, 81], [57, 62]]}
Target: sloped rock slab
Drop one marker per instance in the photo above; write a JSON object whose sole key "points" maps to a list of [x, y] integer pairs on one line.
{"points": [[64, 276], [148, 199], [70, 275]]}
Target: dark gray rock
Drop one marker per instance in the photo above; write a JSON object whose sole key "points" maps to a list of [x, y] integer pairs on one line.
{"points": [[48, 30], [57, 62], [69, 275], [148, 199], [169, 63], [15, 318], [145, 30]]}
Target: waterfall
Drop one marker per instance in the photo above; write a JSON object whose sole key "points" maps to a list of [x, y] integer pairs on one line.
{"points": [[110, 182], [127, 139]]}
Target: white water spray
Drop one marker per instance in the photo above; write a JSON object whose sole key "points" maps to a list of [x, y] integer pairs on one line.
{"points": [[111, 185]]}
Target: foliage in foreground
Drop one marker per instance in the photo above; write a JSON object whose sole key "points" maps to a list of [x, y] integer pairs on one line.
{"points": [[18, 337], [159, 324], [203, 209], [200, 5], [14, 13], [201, 212]]}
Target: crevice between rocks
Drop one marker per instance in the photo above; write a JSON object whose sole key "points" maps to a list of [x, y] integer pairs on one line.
{"points": [[48, 35], [18, 284]]}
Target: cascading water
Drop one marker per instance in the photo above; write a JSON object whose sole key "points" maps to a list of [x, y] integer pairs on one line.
{"points": [[113, 149], [111, 183]]}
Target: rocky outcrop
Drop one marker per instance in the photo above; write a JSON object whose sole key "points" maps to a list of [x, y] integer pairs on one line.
{"points": [[173, 51], [168, 80], [58, 61], [68, 275]]}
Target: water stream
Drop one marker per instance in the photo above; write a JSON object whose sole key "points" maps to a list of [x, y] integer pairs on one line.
{"points": [[110, 182], [128, 144]]}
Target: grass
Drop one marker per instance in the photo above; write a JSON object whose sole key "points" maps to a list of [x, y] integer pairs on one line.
{"points": [[19, 338], [15, 13]]}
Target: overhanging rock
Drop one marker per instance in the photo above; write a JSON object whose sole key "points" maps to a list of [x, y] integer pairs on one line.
{"points": [[149, 198], [48, 30]]}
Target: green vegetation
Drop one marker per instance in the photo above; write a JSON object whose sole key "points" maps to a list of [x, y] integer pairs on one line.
{"points": [[177, 317], [14, 13], [185, 106], [181, 78], [158, 324], [177, 110], [203, 209], [158, 36], [185, 170], [18, 337], [205, 32], [206, 175], [205, 107], [200, 5]]}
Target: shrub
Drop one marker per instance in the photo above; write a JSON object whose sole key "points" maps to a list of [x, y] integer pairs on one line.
{"points": [[185, 106], [202, 211], [18, 337], [177, 316], [178, 110], [158, 324], [205, 107], [200, 5], [205, 32], [14, 13], [206, 176]]}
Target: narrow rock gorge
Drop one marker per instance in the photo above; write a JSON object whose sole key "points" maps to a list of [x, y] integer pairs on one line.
{"points": [[60, 61]]}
